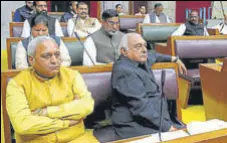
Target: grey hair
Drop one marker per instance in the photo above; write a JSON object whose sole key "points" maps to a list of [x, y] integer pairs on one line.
{"points": [[35, 42], [124, 41]]}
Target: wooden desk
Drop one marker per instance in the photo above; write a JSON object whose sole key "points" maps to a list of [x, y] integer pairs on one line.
{"points": [[214, 88], [219, 136]]}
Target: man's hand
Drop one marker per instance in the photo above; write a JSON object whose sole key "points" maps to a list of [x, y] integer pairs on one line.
{"points": [[182, 68], [172, 128], [74, 122], [40, 112]]}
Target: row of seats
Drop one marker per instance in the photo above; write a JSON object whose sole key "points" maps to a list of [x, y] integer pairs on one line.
{"points": [[101, 90], [76, 49]]}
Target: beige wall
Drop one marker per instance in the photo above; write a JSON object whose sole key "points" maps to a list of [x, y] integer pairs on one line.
{"points": [[216, 11]]}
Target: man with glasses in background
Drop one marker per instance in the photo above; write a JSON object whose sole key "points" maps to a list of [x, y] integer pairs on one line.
{"points": [[102, 46], [24, 12], [82, 25], [192, 27], [53, 24]]}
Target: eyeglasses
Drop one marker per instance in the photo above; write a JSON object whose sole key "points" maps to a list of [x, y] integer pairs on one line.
{"points": [[39, 6], [113, 23]]}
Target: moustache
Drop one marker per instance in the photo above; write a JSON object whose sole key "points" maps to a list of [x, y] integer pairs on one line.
{"points": [[83, 13], [43, 12]]}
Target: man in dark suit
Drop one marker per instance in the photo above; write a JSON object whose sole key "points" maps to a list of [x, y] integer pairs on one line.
{"points": [[136, 95]]}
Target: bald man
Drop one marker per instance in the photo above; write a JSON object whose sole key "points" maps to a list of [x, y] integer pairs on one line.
{"points": [[192, 27], [136, 94]]}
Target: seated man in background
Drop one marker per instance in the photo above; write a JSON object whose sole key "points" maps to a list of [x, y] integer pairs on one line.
{"points": [[39, 25], [222, 27], [156, 16], [47, 103], [24, 12], [136, 94], [142, 11], [53, 24], [82, 25], [192, 27], [119, 9], [71, 14], [102, 46]]}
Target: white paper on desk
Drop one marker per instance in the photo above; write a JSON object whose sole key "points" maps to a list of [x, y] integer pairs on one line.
{"points": [[165, 137], [202, 127]]}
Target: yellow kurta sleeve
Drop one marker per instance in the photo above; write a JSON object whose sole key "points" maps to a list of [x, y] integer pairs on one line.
{"points": [[78, 108], [23, 121]]}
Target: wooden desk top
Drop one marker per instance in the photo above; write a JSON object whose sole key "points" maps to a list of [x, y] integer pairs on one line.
{"points": [[215, 67], [218, 136]]}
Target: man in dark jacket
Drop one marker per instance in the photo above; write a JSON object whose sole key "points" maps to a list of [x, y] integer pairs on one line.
{"points": [[136, 94], [72, 13], [24, 12]]}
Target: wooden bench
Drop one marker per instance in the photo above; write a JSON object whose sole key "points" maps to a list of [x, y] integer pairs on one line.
{"points": [[97, 79]]}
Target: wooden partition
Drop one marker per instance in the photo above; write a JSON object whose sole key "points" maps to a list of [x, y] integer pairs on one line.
{"points": [[214, 89], [5, 75]]}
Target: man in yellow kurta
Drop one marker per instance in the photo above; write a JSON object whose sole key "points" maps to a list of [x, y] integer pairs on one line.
{"points": [[47, 103]]}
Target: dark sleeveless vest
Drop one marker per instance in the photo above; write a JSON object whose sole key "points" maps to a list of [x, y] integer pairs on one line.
{"points": [[26, 41], [25, 13], [162, 17], [107, 46], [194, 30], [51, 24]]}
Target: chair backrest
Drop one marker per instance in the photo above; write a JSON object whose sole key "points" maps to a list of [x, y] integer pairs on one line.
{"points": [[193, 41], [98, 80], [75, 49], [56, 15], [213, 31], [201, 48], [130, 21], [153, 32], [16, 29], [11, 51]]}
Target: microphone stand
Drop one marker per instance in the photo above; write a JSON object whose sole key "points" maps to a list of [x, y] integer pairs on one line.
{"points": [[84, 48], [163, 76]]}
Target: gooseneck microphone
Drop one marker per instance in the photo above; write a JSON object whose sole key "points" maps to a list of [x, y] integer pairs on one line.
{"points": [[84, 48], [163, 77]]}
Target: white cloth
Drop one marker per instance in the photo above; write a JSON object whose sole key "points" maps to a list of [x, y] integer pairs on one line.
{"points": [[81, 34], [147, 19], [89, 45], [181, 29], [27, 29], [21, 56], [221, 27]]}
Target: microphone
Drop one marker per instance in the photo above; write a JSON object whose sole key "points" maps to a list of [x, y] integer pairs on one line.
{"points": [[77, 17], [84, 48], [163, 77]]}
